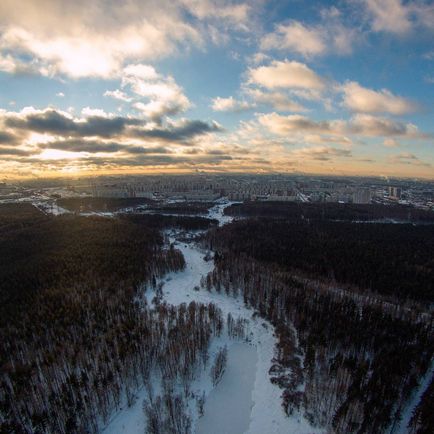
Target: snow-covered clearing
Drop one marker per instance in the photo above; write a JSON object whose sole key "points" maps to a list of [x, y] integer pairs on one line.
{"points": [[245, 401]]}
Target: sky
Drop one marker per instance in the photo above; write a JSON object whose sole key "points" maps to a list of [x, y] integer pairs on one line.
{"points": [[91, 87]]}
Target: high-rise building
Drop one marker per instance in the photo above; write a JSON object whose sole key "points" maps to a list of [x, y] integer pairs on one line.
{"points": [[362, 195], [395, 192]]}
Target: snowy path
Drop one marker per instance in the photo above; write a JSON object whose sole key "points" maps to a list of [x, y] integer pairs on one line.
{"points": [[245, 401]]}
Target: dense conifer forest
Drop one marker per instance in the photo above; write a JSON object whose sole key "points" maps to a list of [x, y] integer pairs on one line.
{"points": [[76, 338], [348, 357], [101, 204], [393, 260], [330, 211], [182, 207], [351, 304]]}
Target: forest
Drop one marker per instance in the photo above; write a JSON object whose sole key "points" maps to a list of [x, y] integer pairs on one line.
{"points": [[349, 302], [201, 208], [330, 211], [392, 260], [101, 204], [76, 337], [348, 359]]}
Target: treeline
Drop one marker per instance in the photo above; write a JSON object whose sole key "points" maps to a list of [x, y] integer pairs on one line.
{"points": [[182, 207], [348, 366], [393, 260], [330, 211], [74, 336], [101, 204], [159, 221], [16, 216]]}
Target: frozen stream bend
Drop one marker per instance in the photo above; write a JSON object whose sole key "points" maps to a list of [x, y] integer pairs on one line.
{"points": [[245, 401]]}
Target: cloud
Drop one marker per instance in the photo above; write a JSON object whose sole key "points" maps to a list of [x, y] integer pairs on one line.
{"points": [[282, 125], [285, 74], [389, 15], [60, 123], [118, 94], [96, 146], [295, 37], [232, 13], [329, 36], [396, 16], [14, 151], [367, 125], [321, 153], [361, 99], [179, 132], [75, 39], [73, 133], [7, 138], [277, 100], [161, 94], [391, 143], [408, 159], [230, 104], [359, 125]]}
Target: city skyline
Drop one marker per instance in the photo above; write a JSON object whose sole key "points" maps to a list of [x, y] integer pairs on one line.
{"points": [[331, 87]]}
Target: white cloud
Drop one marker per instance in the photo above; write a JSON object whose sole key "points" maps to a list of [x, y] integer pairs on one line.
{"points": [[362, 125], [78, 39], [229, 104], [162, 95], [258, 58], [283, 125], [232, 13], [396, 16], [321, 153], [295, 37], [408, 159], [389, 15], [328, 36], [118, 94], [391, 143], [368, 125], [60, 94], [285, 74], [361, 99], [278, 100]]}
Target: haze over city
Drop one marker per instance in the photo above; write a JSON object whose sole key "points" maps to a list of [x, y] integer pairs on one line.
{"points": [[139, 87]]}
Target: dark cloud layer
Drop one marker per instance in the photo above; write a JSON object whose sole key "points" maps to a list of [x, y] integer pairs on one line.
{"points": [[182, 133], [14, 151], [7, 138], [53, 122], [94, 146]]}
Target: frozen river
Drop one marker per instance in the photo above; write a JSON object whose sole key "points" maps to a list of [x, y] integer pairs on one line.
{"points": [[229, 405], [245, 401]]}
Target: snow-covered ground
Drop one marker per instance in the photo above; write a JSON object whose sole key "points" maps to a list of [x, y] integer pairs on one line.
{"points": [[407, 412], [245, 401], [234, 391]]}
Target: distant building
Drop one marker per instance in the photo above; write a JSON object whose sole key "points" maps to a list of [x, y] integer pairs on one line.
{"points": [[362, 195], [395, 192]]}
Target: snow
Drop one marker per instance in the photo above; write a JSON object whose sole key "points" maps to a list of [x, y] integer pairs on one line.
{"points": [[245, 400], [217, 211], [407, 412], [48, 208], [233, 392]]}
